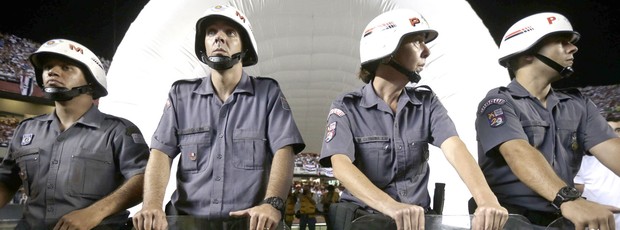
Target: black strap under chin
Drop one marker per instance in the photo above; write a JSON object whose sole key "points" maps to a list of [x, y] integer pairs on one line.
{"points": [[564, 71]]}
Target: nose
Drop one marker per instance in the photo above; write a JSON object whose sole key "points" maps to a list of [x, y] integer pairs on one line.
{"points": [[52, 70], [425, 50], [219, 36], [572, 48]]}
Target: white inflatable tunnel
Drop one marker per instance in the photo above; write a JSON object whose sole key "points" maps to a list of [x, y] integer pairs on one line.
{"points": [[312, 49]]}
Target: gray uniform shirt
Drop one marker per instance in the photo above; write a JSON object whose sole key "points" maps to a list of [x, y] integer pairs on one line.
{"points": [[391, 149], [65, 171], [563, 132], [226, 147]]}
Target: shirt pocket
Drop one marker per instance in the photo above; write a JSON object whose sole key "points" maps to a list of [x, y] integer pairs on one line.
{"points": [[417, 156], [249, 149], [28, 161], [569, 139], [92, 174], [535, 131], [374, 158], [195, 146]]}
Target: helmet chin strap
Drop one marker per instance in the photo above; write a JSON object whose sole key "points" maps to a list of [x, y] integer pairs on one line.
{"points": [[413, 76], [564, 71], [65, 94], [222, 62]]}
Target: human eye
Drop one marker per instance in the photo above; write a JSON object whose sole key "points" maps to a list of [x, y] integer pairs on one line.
{"points": [[210, 32]]}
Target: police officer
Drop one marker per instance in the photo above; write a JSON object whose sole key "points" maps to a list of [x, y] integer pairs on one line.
{"points": [[377, 137], [235, 136], [80, 168], [531, 138]]}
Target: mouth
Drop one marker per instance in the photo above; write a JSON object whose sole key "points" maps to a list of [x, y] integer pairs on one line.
{"points": [[219, 52], [53, 83]]}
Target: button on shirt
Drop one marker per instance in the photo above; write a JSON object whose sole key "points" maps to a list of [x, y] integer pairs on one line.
{"points": [[563, 132], [391, 149], [226, 147], [65, 171]]}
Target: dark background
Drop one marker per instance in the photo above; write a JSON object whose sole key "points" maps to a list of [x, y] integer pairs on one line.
{"points": [[101, 25]]}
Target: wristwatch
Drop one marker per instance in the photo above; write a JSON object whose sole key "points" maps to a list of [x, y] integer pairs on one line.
{"points": [[276, 202], [565, 194]]}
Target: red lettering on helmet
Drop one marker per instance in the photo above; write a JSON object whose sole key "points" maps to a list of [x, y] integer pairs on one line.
{"points": [[550, 19], [240, 16], [77, 49], [414, 21]]}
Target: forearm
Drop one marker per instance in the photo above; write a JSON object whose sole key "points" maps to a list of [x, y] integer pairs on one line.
{"points": [[529, 165], [608, 153], [465, 165], [126, 196], [358, 184], [281, 175], [156, 179]]}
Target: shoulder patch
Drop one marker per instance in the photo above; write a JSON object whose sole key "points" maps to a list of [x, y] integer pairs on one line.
{"points": [[493, 101], [330, 133], [135, 134], [496, 118], [285, 105], [336, 111], [168, 104]]}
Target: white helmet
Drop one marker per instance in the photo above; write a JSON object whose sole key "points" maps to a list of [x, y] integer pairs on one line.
{"points": [[384, 33], [232, 14], [527, 32], [87, 60]]}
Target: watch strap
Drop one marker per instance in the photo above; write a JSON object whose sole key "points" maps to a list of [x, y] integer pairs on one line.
{"points": [[276, 202], [565, 194]]}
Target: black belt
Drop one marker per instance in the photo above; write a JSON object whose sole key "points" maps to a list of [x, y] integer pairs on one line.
{"points": [[535, 217]]}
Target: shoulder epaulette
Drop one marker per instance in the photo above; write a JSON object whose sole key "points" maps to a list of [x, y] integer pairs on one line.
{"points": [[423, 88], [194, 80], [574, 91], [32, 118], [259, 78]]}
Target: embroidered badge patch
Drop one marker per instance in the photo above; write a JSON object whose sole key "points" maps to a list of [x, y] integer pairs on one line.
{"points": [[284, 103], [494, 101], [135, 134], [496, 118], [336, 111], [331, 132], [167, 106], [27, 139]]}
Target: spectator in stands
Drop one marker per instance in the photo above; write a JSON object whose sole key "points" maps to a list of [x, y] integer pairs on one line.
{"points": [[307, 208], [291, 201], [328, 198], [80, 168]]}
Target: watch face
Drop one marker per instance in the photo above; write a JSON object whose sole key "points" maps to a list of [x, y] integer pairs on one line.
{"points": [[570, 193], [276, 202]]}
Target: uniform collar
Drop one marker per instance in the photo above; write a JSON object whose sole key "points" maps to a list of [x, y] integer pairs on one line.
{"points": [[517, 90], [244, 86], [370, 98], [93, 117]]}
